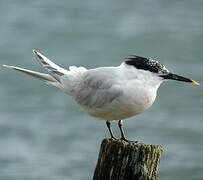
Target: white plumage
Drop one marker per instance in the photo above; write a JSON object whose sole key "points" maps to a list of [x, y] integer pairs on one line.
{"points": [[109, 93]]}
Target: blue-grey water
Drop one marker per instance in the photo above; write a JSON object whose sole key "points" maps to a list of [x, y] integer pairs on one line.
{"points": [[43, 133]]}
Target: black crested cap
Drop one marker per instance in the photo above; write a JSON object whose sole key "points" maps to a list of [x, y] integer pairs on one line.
{"points": [[146, 64]]}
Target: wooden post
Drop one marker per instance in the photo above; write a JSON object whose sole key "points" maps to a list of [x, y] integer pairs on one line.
{"points": [[120, 160]]}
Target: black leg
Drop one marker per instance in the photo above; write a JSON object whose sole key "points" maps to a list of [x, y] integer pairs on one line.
{"points": [[120, 125], [109, 128]]}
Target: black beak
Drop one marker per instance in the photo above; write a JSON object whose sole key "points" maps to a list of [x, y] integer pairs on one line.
{"points": [[179, 78]]}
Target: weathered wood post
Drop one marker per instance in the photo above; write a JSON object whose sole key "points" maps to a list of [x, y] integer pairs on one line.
{"points": [[120, 160]]}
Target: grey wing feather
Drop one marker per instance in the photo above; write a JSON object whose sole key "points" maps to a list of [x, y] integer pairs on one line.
{"points": [[97, 90], [53, 69]]}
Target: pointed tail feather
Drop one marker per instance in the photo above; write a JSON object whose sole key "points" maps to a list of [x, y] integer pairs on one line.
{"points": [[38, 75], [53, 69]]}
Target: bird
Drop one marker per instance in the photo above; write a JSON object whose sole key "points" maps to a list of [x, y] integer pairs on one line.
{"points": [[112, 93]]}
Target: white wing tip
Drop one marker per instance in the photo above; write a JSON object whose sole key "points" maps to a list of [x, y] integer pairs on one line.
{"points": [[34, 51], [7, 66], [38, 54]]}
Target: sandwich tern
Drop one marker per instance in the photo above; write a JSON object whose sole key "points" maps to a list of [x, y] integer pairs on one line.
{"points": [[108, 93]]}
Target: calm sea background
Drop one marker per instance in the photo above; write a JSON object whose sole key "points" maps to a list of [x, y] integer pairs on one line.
{"points": [[43, 133]]}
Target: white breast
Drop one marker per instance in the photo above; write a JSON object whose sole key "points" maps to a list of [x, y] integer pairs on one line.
{"points": [[133, 101]]}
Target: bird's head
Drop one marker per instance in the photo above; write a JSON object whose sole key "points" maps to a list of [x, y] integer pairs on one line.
{"points": [[152, 70]]}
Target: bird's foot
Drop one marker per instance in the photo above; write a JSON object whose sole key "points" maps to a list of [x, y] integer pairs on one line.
{"points": [[112, 137], [129, 141]]}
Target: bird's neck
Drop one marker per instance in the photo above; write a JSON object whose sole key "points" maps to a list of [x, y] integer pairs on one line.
{"points": [[140, 77]]}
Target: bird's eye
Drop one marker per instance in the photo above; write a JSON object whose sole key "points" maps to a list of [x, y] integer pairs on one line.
{"points": [[163, 70]]}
